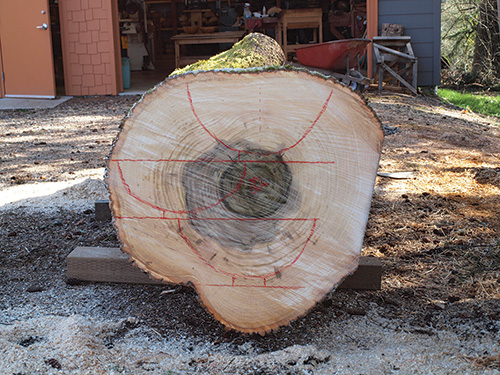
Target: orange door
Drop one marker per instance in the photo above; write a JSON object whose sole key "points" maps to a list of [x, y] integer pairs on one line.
{"points": [[26, 43]]}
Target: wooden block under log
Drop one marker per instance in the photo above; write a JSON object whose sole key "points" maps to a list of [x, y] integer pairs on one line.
{"points": [[104, 264], [102, 211], [110, 264], [368, 276]]}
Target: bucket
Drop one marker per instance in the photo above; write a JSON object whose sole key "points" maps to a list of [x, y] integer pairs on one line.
{"points": [[126, 72]]}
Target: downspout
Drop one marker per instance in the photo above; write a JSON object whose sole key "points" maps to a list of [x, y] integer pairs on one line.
{"points": [[2, 76], [117, 67], [372, 30]]}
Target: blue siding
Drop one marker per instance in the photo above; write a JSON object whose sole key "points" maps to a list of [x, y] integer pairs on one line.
{"points": [[404, 7], [422, 21], [423, 51]]}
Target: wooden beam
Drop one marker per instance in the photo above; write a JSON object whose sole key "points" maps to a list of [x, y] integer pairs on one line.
{"points": [[368, 276], [101, 210], [394, 52], [104, 264], [110, 264], [398, 77]]}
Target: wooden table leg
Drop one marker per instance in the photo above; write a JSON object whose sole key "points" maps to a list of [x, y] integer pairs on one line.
{"points": [[337, 33], [177, 54]]}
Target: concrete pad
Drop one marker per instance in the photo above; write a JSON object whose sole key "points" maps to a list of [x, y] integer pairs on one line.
{"points": [[143, 81], [25, 103]]}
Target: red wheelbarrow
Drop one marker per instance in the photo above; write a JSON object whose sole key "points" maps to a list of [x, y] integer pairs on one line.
{"points": [[338, 56]]}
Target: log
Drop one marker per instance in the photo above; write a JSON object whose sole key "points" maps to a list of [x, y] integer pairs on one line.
{"points": [[254, 186]]}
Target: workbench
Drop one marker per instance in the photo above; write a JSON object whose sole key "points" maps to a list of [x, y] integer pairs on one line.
{"points": [[196, 39]]}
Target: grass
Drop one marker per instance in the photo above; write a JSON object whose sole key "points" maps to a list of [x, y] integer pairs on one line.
{"points": [[480, 103]]}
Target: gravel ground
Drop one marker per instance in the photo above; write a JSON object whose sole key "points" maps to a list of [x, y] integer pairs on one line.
{"points": [[436, 233]]}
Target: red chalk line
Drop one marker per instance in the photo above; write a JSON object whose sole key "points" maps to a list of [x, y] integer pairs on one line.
{"points": [[212, 218], [235, 275], [236, 189], [323, 109], [255, 286], [222, 161], [193, 211]]}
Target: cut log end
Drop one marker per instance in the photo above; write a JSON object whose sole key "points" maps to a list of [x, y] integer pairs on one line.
{"points": [[253, 187]]}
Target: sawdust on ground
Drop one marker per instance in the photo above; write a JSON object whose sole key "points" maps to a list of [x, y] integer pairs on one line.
{"points": [[437, 234]]}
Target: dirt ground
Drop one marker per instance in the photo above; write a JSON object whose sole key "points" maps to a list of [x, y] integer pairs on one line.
{"points": [[437, 234]]}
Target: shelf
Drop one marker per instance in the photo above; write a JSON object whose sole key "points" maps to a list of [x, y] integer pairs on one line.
{"points": [[196, 10], [162, 47], [158, 13]]}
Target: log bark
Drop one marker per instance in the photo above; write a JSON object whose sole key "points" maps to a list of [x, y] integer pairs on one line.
{"points": [[254, 50], [254, 187]]}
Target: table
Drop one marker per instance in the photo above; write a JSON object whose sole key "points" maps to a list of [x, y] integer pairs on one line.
{"points": [[292, 19], [262, 24], [193, 39]]}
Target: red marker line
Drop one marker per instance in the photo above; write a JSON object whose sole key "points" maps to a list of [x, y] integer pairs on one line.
{"points": [[189, 243], [193, 211], [213, 218], [223, 161], [323, 109], [256, 286]]}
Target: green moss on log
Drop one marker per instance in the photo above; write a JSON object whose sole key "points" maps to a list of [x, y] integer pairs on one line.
{"points": [[254, 50]]}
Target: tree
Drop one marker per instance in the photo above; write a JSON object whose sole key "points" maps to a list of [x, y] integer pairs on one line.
{"points": [[470, 41], [486, 63], [459, 22]]}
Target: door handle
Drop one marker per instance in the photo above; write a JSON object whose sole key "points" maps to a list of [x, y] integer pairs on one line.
{"points": [[44, 26]]}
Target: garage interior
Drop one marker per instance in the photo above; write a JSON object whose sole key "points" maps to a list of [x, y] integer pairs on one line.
{"points": [[147, 27]]}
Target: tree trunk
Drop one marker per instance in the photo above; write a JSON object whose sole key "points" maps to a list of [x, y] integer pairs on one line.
{"points": [[498, 13], [486, 64], [254, 187]]}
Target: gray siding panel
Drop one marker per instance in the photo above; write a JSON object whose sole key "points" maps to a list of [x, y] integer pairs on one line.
{"points": [[424, 65], [437, 44], [423, 50], [422, 21], [421, 35], [426, 76], [426, 61], [398, 7], [415, 21]]}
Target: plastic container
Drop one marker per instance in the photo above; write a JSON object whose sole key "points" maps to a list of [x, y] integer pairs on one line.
{"points": [[126, 72], [247, 13]]}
